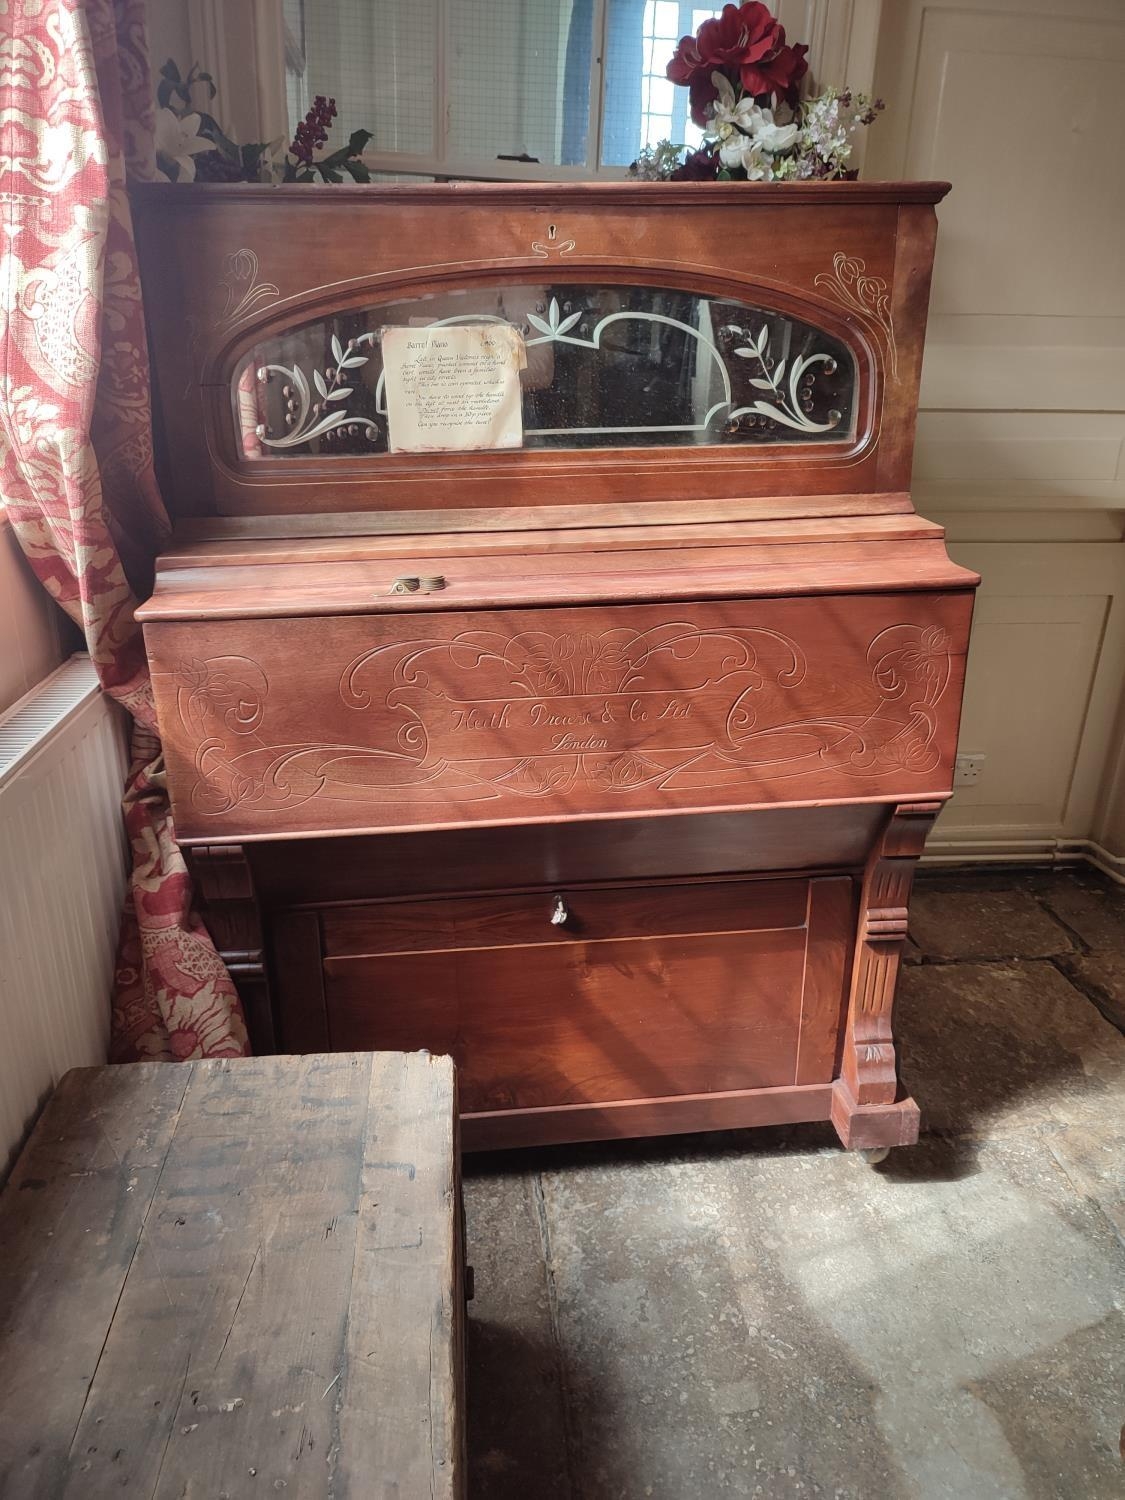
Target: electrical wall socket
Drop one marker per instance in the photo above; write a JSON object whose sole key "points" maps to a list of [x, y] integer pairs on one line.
{"points": [[968, 770]]}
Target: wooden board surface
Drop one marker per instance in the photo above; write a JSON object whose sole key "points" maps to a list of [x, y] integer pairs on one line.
{"points": [[235, 1278]]}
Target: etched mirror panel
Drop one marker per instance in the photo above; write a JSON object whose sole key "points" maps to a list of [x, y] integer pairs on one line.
{"points": [[604, 366]]}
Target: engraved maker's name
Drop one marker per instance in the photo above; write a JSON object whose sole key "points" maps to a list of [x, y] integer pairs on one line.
{"points": [[564, 725]]}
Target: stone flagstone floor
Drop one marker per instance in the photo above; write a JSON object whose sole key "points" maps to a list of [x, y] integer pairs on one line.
{"points": [[762, 1314]]}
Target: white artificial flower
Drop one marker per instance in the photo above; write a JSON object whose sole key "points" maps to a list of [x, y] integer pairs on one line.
{"points": [[773, 137], [178, 139], [756, 163], [731, 150], [731, 118]]}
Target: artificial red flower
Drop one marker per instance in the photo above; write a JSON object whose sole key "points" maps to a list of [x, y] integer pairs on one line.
{"points": [[747, 44], [778, 74]]}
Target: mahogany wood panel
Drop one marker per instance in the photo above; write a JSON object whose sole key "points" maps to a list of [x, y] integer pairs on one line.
{"points": [[859, 1126], [653, 992], [853, 258], [591, 915], [529, 716], [545, 856], [531, 518], [575, 528], [625, 1119], [831, 913]]}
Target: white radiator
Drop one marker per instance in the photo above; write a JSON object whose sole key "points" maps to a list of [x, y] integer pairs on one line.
{"points": [[62, 879]]}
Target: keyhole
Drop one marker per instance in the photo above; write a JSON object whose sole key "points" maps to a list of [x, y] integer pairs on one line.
{"points": [[552, 230]]}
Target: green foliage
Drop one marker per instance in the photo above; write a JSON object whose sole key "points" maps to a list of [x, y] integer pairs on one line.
{"points": [[173, 86], [253, 161], [332, 167]]}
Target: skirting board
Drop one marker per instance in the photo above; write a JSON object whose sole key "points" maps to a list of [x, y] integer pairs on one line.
{"points": [[1034, 851]]}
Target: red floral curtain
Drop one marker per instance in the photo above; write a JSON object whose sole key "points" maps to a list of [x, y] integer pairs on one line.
{"points": [[76, 474]]}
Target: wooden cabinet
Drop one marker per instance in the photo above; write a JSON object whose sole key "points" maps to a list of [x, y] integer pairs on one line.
{"points": [[602, 763]]}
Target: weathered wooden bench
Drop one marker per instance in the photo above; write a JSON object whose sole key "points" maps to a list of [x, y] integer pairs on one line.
{"points": [[236, 1279]]}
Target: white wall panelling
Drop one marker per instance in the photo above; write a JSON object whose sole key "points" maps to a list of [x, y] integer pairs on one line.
{"points": [[1021, 434], [1045, 669]]}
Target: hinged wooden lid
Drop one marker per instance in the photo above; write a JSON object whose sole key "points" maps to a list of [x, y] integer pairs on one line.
{"points": [[244, 578]]}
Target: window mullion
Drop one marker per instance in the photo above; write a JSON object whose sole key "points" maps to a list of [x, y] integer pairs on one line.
{"points": [[442, 50], [597, 87]]}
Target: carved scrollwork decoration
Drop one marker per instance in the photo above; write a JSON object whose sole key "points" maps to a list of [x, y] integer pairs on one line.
{"points": [[244, 292], [554, 245], [869, 296], [484, 714]]}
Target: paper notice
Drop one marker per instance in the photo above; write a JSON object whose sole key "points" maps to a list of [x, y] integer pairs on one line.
{"points": [[456, 387]]}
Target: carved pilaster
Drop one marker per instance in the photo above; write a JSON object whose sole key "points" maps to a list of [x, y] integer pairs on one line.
{"points": [[869, 1065]]}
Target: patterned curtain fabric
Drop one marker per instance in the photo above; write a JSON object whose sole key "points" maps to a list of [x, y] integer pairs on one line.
{"points": [[76, 474]]}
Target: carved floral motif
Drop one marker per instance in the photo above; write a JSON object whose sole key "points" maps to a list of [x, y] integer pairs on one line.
{"points": [[866, 295], [244, 293]]}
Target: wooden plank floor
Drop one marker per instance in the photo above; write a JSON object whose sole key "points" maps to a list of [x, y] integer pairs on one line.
{"points": [[236, 1278]]}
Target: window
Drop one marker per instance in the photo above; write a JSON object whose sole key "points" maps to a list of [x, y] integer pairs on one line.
{"points": [[494, 88], [663, 107]]}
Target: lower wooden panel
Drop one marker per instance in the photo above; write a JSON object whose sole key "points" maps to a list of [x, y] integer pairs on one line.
{"points": [[643, 994], [563, 1026]]}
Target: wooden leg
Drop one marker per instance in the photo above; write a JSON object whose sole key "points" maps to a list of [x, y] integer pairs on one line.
{"points": [[866, 1109]]}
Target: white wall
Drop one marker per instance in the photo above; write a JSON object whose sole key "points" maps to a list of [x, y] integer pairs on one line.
{"points": [[1021, 437], [31, 625]]}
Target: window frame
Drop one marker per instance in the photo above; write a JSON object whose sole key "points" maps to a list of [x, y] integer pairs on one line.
{"points": [[438, 166]]}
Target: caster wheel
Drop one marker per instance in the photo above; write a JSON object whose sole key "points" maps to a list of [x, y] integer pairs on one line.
{"points": [[873, 1155]]}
